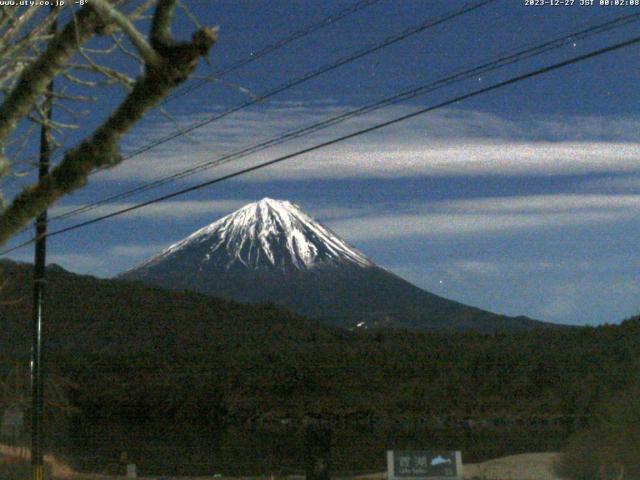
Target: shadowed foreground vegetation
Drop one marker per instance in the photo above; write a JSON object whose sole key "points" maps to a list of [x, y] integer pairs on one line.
{"points": [[133, 353], [610, 448]]}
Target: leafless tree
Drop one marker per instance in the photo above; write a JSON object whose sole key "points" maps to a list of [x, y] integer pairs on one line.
{"points": [[77, 54]]}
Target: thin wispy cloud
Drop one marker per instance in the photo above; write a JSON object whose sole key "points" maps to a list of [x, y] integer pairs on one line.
{"points": [[421, 218], [567, 299], [106, 262], [136, 250], [440, 224], [165, 211], [524, 267], [570, 203], [80, 262], [495, 215], [447, 142]]}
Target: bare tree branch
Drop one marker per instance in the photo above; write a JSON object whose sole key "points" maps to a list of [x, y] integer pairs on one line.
{"points": [[139, 12], [177, 62], [17, 25], [111, 74], [106, 10], [161, 24], [79, 81], [36, 77]]}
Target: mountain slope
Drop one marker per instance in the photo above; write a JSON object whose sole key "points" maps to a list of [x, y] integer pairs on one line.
{"points": [[271, 251], [84, 313], [269, 235]]}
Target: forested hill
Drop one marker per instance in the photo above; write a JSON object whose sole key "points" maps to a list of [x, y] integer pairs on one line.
{"points": [[137, 350], [122, 318]]}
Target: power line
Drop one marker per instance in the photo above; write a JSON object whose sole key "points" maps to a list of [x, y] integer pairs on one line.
{"points": [[324, 22], [298, 34], [334, 141], [425, 25], [396, 98], [429, 23]]}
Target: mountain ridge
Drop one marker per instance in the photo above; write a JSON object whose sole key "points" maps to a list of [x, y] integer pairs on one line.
{"points": [[271, 251]]}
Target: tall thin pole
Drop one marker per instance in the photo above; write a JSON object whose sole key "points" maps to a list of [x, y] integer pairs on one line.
{"points": [[37, 377]]}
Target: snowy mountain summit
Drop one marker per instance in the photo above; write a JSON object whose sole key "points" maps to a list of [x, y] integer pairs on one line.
{"points": [[271, 251], [265, 235]]}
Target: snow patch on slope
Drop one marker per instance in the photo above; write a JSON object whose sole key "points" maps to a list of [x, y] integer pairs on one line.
{"points": [[269, 234]]}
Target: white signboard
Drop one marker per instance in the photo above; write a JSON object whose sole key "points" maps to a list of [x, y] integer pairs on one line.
{"points": [[423, 465]]}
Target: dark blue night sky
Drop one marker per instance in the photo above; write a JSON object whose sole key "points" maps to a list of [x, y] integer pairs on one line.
{"points": [[521, 201]]}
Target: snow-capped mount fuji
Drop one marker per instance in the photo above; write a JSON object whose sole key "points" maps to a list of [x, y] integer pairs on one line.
{"points": [[269, 235], [271, 251]]}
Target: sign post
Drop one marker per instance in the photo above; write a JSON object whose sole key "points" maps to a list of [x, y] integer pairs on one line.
{"points": [[424, 465]]}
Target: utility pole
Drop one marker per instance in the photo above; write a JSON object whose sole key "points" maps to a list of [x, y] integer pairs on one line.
{"points": [[37, 377]]}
